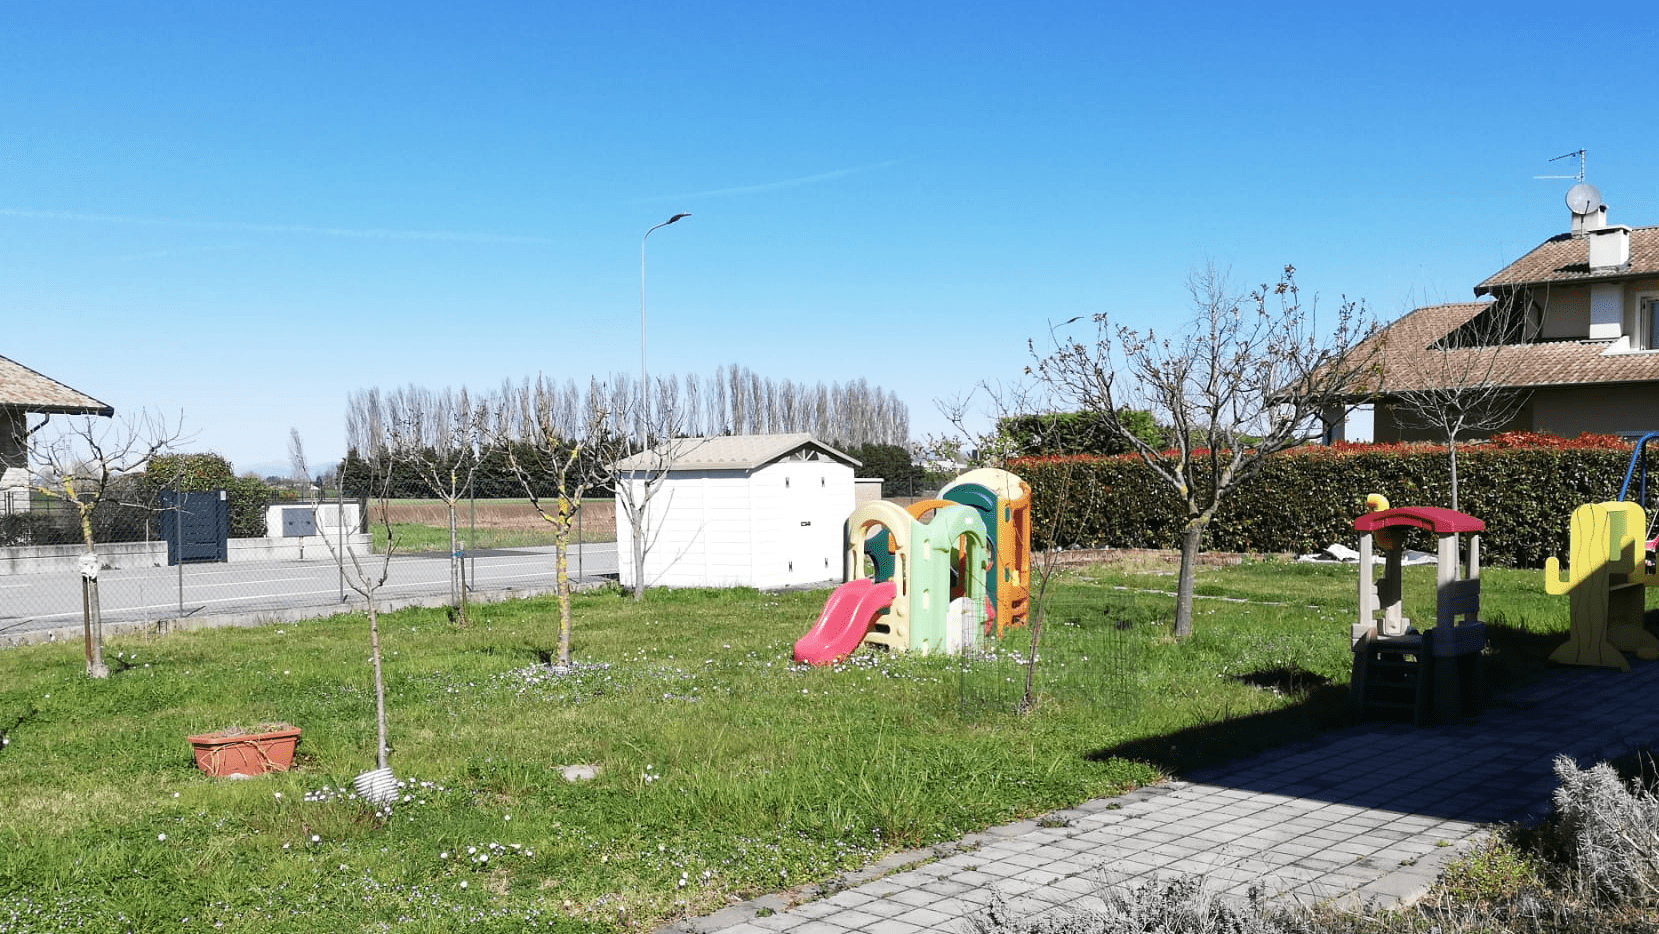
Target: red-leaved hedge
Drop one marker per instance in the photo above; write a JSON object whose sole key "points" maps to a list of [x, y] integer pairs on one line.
{"points": [[1524, 486]]}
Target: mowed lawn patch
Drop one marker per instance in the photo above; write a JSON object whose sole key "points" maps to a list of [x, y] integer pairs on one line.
{"points": [[423, 524], [723, 769]]}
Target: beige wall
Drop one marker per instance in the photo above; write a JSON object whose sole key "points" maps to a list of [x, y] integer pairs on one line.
{"points": [[1566, 315], [1597, 409], [1566, 411]]}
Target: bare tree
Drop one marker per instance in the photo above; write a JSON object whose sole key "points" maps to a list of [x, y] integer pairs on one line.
{"points": [[558, 445], [1455, 386], [1237, 386], [366, 575], [639, 478], [437, 435], [79, 464]]}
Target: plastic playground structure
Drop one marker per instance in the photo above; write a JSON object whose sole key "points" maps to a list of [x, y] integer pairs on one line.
{"points": [[932, 577], [1610, 546], [1435, 674]]}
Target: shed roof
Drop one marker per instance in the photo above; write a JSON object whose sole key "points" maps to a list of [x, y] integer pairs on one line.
{"points": [[732, 452], [21, 387]]}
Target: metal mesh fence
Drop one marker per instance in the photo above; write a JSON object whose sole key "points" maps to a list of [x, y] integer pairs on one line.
{"points": [[281, 559], [1085, 655]]}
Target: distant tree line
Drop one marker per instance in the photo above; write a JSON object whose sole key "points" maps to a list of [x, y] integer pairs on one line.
{"points": [[396, 437]]}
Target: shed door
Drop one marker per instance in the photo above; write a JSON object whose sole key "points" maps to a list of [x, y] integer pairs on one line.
{"points": [[815, 520]]}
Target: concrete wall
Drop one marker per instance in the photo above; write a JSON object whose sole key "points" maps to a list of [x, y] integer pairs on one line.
{"points": [[46, 559]]}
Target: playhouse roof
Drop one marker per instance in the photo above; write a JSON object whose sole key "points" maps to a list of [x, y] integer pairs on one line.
{"points": [[733, 452]]}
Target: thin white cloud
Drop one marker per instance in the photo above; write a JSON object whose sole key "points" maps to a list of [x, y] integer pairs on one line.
{"points": [[186, 251], [776, 186], [373, 233]]}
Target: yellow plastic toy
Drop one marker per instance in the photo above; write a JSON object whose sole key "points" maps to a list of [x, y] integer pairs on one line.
{"points": [[1606, 583]]}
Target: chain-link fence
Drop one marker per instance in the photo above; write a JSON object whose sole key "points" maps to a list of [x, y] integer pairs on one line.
{"points": [[193, 557], [1085, 654]]}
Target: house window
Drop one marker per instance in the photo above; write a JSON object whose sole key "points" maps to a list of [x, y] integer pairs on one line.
{"points": [[1647, 323]]}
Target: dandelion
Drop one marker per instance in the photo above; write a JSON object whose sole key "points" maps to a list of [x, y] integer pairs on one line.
{"points": [[463, 883], [161, 837], [444, 855]]}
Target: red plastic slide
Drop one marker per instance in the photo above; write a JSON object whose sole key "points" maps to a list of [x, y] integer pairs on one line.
{"points": [[846, 618]]}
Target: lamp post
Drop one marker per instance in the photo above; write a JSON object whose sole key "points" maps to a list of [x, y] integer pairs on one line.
{"points": [[644, 377]]}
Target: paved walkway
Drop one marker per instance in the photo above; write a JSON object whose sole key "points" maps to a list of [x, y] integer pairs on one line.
{"points": [[1367, 813]]}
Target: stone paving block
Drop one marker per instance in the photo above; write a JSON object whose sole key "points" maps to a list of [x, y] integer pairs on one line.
{"points": [[965, 881], [891, 926], [820, 926], [928, 919], [898, 903]]}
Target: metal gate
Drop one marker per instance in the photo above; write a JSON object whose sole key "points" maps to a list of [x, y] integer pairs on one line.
{"points": [[196, 526]]}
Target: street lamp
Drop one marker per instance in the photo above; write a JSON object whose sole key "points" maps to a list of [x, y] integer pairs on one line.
{"points": [[644, 377]]}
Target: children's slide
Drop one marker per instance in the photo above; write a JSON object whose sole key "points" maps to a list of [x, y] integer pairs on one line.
{"points": [[847, 616]]}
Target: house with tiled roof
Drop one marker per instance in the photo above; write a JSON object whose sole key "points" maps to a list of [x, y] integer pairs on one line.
{"points": [[1570, 327], [24, 392]]}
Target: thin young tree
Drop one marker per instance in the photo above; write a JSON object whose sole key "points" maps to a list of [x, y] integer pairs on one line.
{"points": [[79, 464], [362, 572], [438, 435], [557, 445], [1455, 388], [1239, 384], [639, 479]]}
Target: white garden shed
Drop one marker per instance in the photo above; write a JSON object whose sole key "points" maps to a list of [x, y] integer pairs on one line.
{"points": [[763, 511]]}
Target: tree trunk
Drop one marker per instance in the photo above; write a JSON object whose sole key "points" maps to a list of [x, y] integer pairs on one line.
{"points": [[639, 553], [1190, 540], [379, 688], [1452, 450], [93, 615], [561, 577], [457, 595]]}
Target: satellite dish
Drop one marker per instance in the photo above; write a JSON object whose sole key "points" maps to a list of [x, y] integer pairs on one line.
{"points": [[1583, 198]]}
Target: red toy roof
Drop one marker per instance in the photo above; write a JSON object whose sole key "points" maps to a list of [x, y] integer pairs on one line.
{"points": [[1435, 519]]}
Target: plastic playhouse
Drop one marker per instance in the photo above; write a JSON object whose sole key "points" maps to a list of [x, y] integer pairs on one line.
{"points": [[1434, 674], [1609, 548], [933, 576]]}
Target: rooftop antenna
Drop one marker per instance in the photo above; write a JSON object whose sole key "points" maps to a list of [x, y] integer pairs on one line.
{"points": [[1577, 178], [1583, 198]]}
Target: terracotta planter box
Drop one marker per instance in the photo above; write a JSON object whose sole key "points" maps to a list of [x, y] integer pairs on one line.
{"points": [[233, 752]]}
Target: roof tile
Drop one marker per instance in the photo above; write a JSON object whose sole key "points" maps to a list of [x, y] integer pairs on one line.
{"points": [[23, 388]]}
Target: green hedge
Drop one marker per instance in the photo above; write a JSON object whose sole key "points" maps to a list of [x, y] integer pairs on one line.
{"points": [[1525, 487], [248, 497]]}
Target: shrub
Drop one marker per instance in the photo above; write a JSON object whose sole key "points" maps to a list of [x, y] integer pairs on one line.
{"points": [[1609, 831], [1524, 486]]}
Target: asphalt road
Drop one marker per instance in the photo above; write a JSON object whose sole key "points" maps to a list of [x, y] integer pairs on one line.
{"points": [[39, 607]]}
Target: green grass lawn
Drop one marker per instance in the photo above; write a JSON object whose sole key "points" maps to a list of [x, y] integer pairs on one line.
{"points": [[413, 537], [724, 769]]}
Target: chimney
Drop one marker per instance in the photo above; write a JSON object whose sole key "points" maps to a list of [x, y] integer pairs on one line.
{"points": [[1589, 213], [1609, 247], [1584, 223]]}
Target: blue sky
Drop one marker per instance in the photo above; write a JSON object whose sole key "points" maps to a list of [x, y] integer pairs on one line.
{"points": [[245, 212]]}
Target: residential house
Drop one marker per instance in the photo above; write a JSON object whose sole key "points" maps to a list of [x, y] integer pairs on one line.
{"points": [[1570, 327], [24, 392]]}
